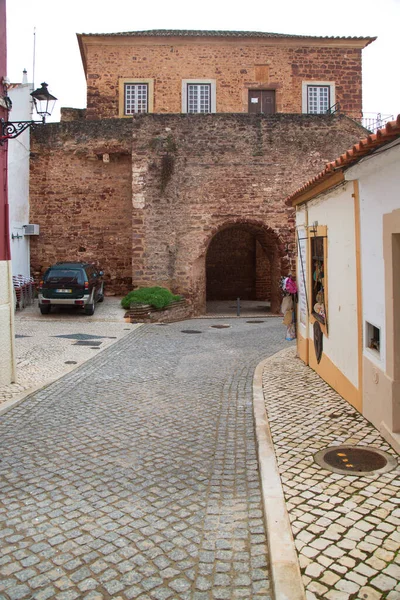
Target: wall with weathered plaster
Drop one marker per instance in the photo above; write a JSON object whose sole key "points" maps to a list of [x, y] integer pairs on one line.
{"points": [[169, 184]]}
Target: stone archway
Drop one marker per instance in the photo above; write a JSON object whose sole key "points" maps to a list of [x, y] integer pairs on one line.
{"points": [[244, 260]]}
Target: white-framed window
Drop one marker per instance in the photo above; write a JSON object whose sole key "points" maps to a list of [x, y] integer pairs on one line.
{"points": [[199, 96], [317, 97], [135, 96]]}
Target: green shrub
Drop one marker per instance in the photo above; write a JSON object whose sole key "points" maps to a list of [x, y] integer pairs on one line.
{"points": [[155, 296]]}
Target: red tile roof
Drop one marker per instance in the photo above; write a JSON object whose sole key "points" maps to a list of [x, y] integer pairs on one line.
{"points": [[365, 146]]}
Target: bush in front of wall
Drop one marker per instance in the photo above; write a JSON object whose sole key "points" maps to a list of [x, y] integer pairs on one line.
{"points": [[158, 297]]}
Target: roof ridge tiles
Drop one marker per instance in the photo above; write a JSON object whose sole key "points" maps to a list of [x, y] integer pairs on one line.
{"points": [[223, 33]]}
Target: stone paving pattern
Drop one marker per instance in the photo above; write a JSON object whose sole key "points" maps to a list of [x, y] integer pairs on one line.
{"points": [[136, 475], [41, 356], [346, 528]]}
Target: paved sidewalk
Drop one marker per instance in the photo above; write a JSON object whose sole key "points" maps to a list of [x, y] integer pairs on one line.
{"points": [[346, 528], [136, 475], [49, 346]]}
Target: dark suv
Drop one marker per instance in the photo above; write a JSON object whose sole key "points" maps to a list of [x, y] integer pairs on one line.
{"points": [[72, 284]]}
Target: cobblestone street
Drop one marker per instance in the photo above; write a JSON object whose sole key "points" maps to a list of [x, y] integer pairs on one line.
{"points": [[136, 474]]}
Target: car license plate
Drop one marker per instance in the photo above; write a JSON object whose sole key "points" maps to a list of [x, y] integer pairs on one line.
{"points": [[64, 291]]}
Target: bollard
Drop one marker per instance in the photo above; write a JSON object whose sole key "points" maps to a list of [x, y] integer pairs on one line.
{"points": [[238, 307]]}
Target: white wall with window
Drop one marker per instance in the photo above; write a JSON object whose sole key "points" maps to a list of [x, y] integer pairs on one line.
{"points": [[317, 97], [199, 96]]}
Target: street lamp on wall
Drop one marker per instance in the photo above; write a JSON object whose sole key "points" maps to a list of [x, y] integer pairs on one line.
{"points": [[44, 104]]}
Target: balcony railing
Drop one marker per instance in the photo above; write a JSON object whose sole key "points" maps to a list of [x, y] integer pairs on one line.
{"points": [[369, 120], [375, 121]]}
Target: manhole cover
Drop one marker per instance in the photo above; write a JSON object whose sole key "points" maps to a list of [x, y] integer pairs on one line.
{"points": [[190, 331], [355, 460], [220, 326], [255, 321], [70, 362]]}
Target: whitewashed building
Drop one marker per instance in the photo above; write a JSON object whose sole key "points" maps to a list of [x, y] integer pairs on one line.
{"points": [[18, 178], [348, 273]]}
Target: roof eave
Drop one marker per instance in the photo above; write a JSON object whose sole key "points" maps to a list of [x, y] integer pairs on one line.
{"points": [[82, 51], [329, 181]]}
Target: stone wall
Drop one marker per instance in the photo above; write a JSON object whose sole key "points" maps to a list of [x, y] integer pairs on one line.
{"points": [[80, 194], [237, 65], [144, 198]]}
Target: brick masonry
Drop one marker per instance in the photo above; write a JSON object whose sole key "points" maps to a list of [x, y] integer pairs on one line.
{"points": [[237, 65], [144, 197]]}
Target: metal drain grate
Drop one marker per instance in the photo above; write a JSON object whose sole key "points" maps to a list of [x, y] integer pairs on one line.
{"points": [[220, 326], [70, 362], [87, 343], [355, 460], [255, 321], [190, 331]]}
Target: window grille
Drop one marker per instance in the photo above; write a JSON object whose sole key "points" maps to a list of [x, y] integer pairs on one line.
{"points": [[318, 98], [136, 98], [198, 98]]}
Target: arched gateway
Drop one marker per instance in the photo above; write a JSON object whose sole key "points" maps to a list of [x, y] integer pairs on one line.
{"points": [[245, 260]]}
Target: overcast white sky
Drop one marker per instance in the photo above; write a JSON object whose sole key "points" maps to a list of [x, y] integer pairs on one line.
{"points": [[58, 59]]}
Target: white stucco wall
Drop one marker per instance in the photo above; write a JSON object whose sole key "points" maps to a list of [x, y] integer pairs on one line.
{"points": [[379, 181], [18, 180], [7, 363], [335, 209]]}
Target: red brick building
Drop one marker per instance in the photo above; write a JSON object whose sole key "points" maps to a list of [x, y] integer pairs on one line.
{"points": [[176, 172]]}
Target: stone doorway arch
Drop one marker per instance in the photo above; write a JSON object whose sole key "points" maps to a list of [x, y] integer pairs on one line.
{"points": [[245, 259]]}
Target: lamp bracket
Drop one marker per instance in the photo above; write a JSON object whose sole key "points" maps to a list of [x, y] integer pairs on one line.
{"points": [[11, 130]]}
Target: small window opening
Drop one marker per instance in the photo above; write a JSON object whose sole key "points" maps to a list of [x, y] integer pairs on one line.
{"points": [[373, 338]]}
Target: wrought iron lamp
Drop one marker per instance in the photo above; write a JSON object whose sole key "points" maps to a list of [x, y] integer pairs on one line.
{"points": [[44, 104]]}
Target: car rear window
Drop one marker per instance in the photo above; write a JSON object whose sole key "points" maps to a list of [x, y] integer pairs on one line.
{"points": [[65, 276]]}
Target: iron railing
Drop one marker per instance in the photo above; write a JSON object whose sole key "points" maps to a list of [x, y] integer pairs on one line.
{"points": [[369, 120], [375, 121]]}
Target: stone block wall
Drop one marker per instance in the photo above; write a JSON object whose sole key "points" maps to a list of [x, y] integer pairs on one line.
{"points": [[236, 64], [145, 197], [80, 194], [224, 171]]}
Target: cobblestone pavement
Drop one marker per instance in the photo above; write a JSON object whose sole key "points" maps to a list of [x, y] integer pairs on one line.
{"points": [[46, 347], [346, 528], [136, 474]]}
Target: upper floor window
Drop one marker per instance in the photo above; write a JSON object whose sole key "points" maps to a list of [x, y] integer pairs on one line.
{"points": [[199, 96], [135, 96], [317, 97]]}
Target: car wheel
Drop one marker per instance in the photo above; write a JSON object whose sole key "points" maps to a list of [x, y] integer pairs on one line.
{"points": [[89, 309], [44, 308]]}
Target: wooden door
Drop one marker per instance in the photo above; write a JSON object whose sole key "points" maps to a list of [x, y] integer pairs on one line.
{"points": [[262, 101]]}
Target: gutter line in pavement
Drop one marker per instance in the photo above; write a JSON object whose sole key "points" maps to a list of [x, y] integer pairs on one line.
{"points": [[284, 566]]}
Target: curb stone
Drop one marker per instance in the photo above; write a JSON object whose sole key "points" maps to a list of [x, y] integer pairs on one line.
{"points": [[286, 577]]}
